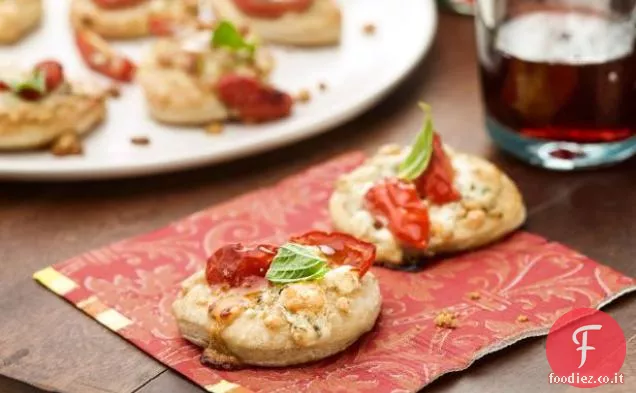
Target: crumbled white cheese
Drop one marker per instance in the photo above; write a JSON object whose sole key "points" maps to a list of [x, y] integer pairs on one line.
{"points": [[342, 279]]}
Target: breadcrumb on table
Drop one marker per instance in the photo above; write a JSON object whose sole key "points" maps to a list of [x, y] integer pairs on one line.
{"points": [[369, 28], [522, 318]]}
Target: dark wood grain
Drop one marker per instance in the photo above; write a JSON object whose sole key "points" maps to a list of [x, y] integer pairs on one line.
{"points": [[12, 386], [50, 344]]}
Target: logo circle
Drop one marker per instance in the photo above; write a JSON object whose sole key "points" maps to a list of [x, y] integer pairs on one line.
{"points": [[586, 348]]}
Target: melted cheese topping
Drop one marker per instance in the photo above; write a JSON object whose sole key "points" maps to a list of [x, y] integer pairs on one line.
{"points": [[301, 307], [58, 109], [192, 53], [17, 107], [277, 325], [187, 66], [478, 188]]}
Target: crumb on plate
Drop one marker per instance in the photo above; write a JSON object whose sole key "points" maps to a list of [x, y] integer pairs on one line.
{"points": [[203, 25], [66, 145], [214, 128], [86, 21], [114, 90], [369, 28], [140, 140], [303, 96], [522, 318], [322, 86], [446, 319]]}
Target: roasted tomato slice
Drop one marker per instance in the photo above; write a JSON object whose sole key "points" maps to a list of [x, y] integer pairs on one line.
{"points": [[53, 71], [4, 86], [436, 183], [235, 264], [253, 100], [398, 203], [30, 95], [341, 249], [114, 4], [272, 8], [99, 56], [53, 77]]}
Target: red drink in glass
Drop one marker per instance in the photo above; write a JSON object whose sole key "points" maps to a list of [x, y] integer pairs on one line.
{"points": [[559, 86]]}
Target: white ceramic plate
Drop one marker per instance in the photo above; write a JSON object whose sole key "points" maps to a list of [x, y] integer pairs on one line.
{"points": [[358, 73]]}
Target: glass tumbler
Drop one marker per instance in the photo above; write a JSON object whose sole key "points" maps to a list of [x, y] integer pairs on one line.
{"points": [[559, 79]]}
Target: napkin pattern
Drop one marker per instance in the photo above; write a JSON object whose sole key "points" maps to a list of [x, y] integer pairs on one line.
{"points": [[497, 295]]}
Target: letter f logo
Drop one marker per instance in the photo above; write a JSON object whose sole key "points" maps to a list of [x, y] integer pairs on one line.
{"points": [[584, 347]]}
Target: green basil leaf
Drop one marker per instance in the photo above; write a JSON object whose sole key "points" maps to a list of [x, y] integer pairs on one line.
{"points": [[418, 159], [227, 36], [295, 262], [36, 82]]}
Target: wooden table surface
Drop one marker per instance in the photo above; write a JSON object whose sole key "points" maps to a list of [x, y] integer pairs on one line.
{"points": [[48, 343]]}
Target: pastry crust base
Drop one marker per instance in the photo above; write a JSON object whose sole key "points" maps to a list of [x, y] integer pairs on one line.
{"points": [[193, 105], [491, 207], [251, 342], [130, 22], [18, 18], [176, 97], [30, 125], [320, 25]]}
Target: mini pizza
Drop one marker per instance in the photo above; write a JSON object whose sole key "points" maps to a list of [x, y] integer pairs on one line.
{"points": [[425, 200], [211, 75], [39, 106], [274, 306], [123, 19], [290, 22], [18, 18]]}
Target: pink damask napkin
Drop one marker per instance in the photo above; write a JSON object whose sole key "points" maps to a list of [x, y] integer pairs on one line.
{"points": [[498, 295]]}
